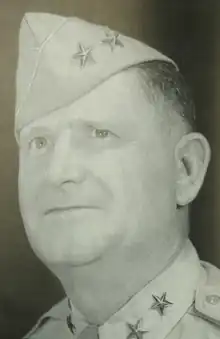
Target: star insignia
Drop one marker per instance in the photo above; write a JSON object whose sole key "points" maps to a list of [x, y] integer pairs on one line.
{"points": [[113, 40], [137, 331], [84, 55], [161, 303]]}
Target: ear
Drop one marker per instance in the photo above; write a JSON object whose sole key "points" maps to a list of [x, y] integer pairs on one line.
{"points": [[192, 156]]}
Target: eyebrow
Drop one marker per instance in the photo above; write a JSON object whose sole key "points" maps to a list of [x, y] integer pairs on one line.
{"points": [[106, 122], [34, 130]]}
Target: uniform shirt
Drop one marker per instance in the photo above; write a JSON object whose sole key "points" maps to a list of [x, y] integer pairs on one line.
{"points": [[183, 302]]}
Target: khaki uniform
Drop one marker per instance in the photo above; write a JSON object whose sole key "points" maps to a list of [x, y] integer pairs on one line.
{"points": [[192, 311]]}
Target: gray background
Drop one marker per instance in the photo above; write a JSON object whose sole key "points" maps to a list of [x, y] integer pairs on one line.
{"points": [[188, 31]]}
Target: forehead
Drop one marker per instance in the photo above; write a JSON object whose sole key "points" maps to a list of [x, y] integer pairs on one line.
{"points": [[121, 99]]}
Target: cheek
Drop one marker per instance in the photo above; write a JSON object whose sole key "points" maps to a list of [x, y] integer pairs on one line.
{"points": [[29, 181], [141, 178]]}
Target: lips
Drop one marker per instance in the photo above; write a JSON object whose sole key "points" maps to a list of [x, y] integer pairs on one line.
{"points": [[61, 209]]}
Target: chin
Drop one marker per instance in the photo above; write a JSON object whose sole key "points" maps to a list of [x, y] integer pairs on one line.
{"points": [[60, 254], [71, 244], [69, 262], [75, 260]]}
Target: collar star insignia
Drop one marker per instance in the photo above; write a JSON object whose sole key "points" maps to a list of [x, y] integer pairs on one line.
{"points": [[112, 39], [161, 303], [137, 331], [84, 55]]}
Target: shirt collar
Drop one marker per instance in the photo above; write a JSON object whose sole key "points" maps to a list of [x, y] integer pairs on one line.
{"points": [[178, 281]]}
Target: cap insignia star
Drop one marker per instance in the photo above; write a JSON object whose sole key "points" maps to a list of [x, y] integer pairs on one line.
{"points": [[160, 303], [136, 331], [113, 40], [84, 54]]}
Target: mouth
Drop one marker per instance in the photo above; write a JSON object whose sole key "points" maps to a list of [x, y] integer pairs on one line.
{"points": [[59, 209]]}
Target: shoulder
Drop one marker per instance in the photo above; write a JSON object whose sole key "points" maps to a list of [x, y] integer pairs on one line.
{"points": [[48, 321], [207, 298], [203, 319]]}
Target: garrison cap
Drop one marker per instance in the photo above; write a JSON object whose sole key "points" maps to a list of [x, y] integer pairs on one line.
{"points": [[61, 59]]}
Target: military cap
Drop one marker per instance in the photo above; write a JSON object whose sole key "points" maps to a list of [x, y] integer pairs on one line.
{"points": [[62, 59]]}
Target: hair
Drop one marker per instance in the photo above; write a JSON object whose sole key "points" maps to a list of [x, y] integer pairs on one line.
{"points": [[164, 81]]}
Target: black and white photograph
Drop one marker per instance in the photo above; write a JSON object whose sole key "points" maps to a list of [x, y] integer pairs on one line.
{"points": [[110, 169]]}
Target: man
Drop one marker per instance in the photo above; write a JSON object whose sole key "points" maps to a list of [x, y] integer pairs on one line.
{"points": [[109, 163]]}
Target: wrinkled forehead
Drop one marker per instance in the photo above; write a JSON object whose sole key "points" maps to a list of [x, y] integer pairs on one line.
{"points": [[61, 60]]}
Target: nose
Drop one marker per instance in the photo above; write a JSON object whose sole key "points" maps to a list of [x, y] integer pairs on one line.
{"points": [[66, 165]]}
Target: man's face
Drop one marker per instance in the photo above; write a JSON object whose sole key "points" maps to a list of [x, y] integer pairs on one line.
{"points": [[97, 176]]}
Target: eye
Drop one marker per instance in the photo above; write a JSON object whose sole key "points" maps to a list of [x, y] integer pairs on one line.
{"points": [[101, 133], [38, 143]]}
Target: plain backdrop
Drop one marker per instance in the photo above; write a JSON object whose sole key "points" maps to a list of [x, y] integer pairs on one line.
{"points": [[188, 31]]}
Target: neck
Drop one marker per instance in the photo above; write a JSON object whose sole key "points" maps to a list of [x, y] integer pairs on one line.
{"points": [[98, 290]]}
